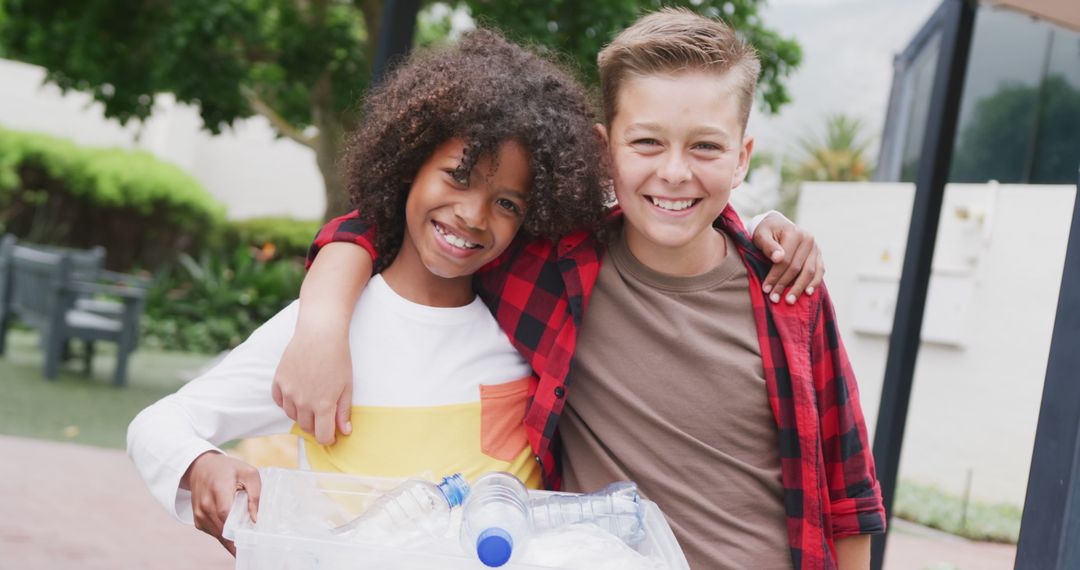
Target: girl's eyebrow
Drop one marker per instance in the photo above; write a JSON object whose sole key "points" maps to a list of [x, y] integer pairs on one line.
{"points": [[519, 194]]}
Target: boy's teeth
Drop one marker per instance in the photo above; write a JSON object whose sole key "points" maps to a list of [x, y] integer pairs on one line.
{"points": [[453, 239], [674, 205]]}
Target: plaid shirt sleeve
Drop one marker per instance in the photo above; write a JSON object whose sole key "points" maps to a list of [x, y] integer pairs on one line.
{"points": [[853, 492], [348, 228]]}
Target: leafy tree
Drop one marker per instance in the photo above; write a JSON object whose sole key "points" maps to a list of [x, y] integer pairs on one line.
{"points": [[840, 155], [302, 64], [580, 29]]}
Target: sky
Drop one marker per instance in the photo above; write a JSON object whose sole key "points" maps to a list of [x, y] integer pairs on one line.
{"points": [[848, 50]]}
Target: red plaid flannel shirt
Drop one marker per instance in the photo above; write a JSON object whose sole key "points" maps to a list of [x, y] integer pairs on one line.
{"points": [[538, 290]]}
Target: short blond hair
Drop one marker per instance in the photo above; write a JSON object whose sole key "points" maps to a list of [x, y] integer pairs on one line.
{"points": [[674, 40]]}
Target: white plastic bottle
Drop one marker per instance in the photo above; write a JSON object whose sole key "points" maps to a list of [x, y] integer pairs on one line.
{"points": [[616, 508], [495, 520], [414, 506]]}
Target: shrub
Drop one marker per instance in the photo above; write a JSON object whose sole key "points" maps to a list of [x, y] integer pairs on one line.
{"points": [[140, 208], [214, 303]]}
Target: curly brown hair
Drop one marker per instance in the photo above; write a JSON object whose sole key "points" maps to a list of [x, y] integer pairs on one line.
{"points": [[485, 90]]}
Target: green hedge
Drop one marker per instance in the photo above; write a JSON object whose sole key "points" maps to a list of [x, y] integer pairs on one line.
{"points": [[142, 209], [216, 281], [285, 236]]}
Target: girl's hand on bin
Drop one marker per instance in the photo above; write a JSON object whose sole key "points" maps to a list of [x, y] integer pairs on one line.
{"points": [[214, 478], [796, 257]]}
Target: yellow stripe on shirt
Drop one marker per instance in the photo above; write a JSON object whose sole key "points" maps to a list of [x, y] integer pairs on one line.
{"points": [[404, 441]]}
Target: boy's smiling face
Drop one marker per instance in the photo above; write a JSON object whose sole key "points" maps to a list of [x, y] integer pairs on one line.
{"points": [[678, 149]]}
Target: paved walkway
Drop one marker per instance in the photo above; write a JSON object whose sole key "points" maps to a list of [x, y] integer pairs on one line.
{"points": [[69, 506]]}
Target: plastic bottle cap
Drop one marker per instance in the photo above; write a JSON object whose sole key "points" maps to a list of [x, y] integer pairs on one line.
{"points": [[455, 489], [494, 547]]}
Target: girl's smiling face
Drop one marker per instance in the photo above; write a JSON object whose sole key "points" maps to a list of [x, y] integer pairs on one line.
{"points": [[453, 227]]}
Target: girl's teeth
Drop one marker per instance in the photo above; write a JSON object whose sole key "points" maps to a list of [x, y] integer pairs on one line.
{"points": [[453, 239], [673, 205]]}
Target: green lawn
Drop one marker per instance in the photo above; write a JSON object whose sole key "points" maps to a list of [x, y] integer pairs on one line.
{"points": [[932, 507], [76, 408]]}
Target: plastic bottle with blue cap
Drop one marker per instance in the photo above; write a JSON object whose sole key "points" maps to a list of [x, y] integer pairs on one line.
{"points": [[414, 506], [495, 519]]}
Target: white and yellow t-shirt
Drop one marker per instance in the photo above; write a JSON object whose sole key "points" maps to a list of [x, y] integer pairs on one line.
{"points": [[434, 389]]}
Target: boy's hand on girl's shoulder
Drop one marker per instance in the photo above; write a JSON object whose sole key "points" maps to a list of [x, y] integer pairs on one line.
{"points": [[214, 478], [313, 383], [797, 263]]}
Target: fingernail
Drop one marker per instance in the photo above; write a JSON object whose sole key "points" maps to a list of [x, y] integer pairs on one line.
{"points": [[809, 290], [791, 299], [775, 297], [767, 288], [348, 428], [778, 255]]}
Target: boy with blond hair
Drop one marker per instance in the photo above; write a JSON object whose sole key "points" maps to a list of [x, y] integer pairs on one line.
{"points": [[740, 417]]}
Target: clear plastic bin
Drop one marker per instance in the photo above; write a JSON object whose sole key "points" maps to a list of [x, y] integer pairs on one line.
{"points": [[293, 499]]}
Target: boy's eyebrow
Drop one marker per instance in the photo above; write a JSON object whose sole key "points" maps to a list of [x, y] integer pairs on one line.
{"points": [[646, 126], [715, 131], [696, 131]]}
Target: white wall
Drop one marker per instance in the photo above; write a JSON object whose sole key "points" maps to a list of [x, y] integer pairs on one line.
{"points": [[245, 168], [989, 318]]}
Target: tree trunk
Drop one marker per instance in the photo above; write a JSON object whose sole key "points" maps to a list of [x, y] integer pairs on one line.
{"points": [[333, 124], [328, 146], [327, 154]]}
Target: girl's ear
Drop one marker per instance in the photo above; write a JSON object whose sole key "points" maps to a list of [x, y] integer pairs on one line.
{"points": [[601, 131]]}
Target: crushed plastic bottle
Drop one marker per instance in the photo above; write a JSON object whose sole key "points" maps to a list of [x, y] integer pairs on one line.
{"points": [[616, 508], [495, 523], [413, 506]]}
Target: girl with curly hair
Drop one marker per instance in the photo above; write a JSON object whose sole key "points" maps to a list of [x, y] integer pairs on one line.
{"points": [[460, 150]]}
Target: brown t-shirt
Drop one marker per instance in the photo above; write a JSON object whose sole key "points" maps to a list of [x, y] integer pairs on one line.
{"points": [[668, 390]]}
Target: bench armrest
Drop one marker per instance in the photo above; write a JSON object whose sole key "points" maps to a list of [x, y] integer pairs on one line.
{"points": [[125, 293], [128, 279]]}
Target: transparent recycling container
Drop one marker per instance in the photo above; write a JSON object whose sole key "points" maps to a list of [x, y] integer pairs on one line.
{"points": [[297, 509]]}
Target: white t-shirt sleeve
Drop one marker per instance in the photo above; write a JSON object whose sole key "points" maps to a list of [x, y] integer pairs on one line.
{"points": [[231, 401], [751, 227]]}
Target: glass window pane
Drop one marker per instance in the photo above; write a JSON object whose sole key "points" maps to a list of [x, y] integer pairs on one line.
{"points": [[998, 109], [1057, 144], [921, 77]]}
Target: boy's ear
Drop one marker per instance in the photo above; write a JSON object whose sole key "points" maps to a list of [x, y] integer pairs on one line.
{"points": [[743, 167], [601, 131]]}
